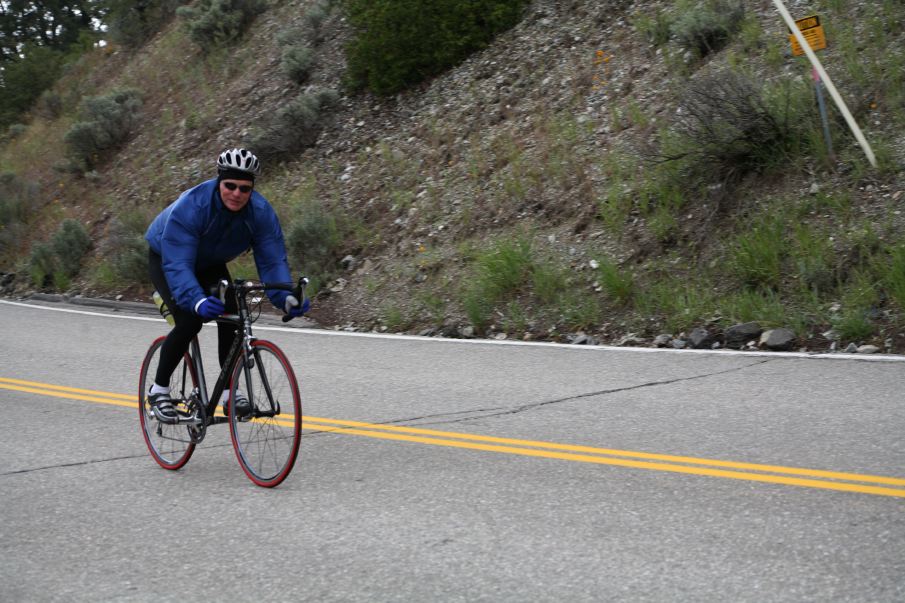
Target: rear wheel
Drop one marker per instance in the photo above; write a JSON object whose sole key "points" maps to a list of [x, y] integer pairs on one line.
{"points": [[170, 445], [267, 439]]}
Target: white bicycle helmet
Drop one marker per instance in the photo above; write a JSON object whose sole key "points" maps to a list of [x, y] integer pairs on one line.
{"points": [[240, 160]]}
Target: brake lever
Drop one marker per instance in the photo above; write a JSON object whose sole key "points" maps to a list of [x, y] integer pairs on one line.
{"points": [[299, 294]]}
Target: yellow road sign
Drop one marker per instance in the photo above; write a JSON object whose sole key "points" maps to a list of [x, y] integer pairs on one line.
{"points": [[812, 31]]}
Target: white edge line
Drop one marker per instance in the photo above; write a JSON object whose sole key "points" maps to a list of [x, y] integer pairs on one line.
{"points": [[548, 344]]}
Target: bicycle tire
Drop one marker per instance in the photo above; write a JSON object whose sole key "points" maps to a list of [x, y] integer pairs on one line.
{"points": [[266, 445], [170, 445]]}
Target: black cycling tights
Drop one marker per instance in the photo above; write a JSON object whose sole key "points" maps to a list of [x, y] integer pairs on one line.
{"points": [[187, 323]]}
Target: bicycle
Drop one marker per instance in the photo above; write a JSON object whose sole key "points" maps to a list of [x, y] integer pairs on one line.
{"points": [[266, 439]]}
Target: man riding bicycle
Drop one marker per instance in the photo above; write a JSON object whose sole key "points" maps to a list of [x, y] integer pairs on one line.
{"points": [[191, 241]]}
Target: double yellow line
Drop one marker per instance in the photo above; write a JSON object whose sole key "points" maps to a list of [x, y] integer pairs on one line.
{"points": [[773, 474]]}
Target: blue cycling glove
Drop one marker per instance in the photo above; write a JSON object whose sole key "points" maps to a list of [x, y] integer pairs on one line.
{"points": [[209, 308], [294, 309]]}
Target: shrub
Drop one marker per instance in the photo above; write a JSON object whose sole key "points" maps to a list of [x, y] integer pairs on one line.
{"points": [[126, 248], [42, 264], [70, 244], [708, 27], [313, 242], [731, 126], [106, 123], [296, 63], [215, 23], [56, 262], [398, 43], [294, 127]]}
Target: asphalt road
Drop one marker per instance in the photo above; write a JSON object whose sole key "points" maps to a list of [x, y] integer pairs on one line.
{"points": [[475, 471]]}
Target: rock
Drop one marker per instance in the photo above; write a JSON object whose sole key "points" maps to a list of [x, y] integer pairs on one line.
{"points": [[349, 262], [428, 332], [662, 341], [583, 339], [467, 332], [119, 298], [737, 336], [868, 349], [631, 339], [851, 349], [777, 339], [700, 339], [679, 344]]}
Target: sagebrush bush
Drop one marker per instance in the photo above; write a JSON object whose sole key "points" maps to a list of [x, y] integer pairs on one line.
{"points": [[105, 123], [42, 264], [54, 263], [215, 23], [70, 244], [398, 43], [313, 241], [126, 248], [295, 127], [297, 63], [729, 126], [708, 27]]}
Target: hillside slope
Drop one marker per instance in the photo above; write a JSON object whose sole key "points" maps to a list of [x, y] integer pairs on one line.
{"points": [[530, 163]]}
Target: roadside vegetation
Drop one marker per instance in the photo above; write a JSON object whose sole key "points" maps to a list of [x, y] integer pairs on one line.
{"points": [[726, 207]]}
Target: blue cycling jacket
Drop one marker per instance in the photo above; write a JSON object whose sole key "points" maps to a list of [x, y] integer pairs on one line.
{"points": [[197, 231]]}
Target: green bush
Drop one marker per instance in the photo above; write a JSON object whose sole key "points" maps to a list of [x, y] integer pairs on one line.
{"points": [[294, 127], [215, 23], [106, 122], [297, 63], [70, 244], [56, 262], [398, 43], [126, 248], [42, 264], [708, 27], [313, 242]]}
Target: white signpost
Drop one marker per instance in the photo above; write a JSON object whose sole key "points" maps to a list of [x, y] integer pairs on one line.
{"points": [[827, 81]]}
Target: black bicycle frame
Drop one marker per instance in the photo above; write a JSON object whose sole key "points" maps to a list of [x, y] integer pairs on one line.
{"points": [[241, 348]]}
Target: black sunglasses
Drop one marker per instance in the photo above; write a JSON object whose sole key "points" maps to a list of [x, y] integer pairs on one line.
{"points": [[243, 188]]}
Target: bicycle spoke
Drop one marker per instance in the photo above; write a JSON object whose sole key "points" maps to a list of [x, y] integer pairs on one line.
{"points": [[267, 444]]}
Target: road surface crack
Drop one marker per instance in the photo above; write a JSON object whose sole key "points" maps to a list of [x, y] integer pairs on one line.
{"points": [[485, 413]]}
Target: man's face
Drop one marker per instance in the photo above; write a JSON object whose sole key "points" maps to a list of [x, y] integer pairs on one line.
{"points": [[235, 193]]}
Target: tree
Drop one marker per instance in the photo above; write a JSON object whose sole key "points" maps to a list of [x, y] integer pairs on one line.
{"points": [[34, 38], [49, 23]]}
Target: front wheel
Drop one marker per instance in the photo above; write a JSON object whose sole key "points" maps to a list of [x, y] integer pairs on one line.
{"points": [[267, 439], [170, 445]]}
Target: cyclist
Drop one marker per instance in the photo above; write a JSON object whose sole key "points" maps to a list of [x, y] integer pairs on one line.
{"points": [[191, 242]]}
